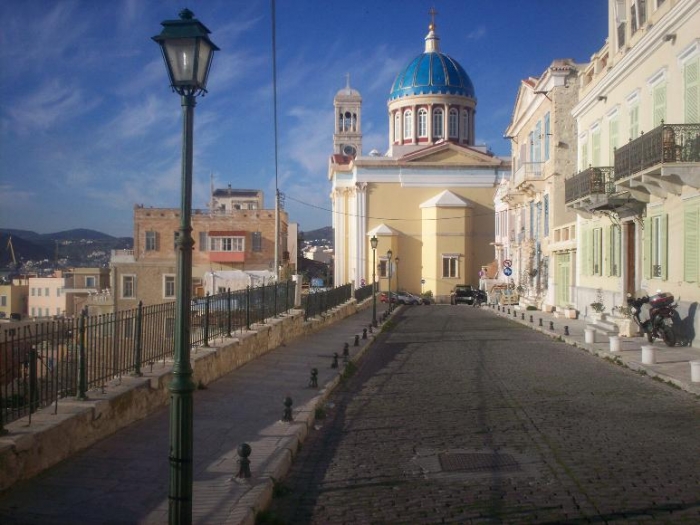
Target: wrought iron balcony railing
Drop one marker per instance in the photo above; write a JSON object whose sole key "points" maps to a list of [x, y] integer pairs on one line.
{"points": [[667, 143], [528, 171], [591, 181]]}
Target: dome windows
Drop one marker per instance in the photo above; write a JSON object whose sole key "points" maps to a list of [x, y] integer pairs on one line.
{"points": [[408, 125], [453, 127], [422, 123], [438, 123]]}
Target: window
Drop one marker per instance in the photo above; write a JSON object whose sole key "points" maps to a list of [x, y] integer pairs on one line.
{"points": [[422, 122], [595, 146], [612, 136], [151, 241], [226, 244], [3, 300], [90, 281], [438, 123], [450, 266], [128, 286], [583, 155], [465, 124], [408, 125], [621, 22], [655, 249], [547, 133], [691, 91], [615, 251], [256, 241], [454, 124], [202, 241], [33, 292], [659, 101], [634, 121], [176, 235], [383, 268], [397, 127], [47, 291], [537, 146], [597, 251], [691, 244], [546, 215], [168, 286]]}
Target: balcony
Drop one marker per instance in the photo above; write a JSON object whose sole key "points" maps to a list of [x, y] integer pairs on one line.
{"points": [[660, 162], [594, 189], [528, 173]]}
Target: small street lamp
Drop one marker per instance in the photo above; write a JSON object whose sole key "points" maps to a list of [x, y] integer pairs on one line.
{"points": [[398, 290], [388, 255], [188, 53], [374, 242]]}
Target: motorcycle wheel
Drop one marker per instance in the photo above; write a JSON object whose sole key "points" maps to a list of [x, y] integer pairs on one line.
{"points": [[650, 337], [669, 336]]}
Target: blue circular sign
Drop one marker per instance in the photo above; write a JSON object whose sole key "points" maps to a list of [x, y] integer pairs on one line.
{"points": [[507, 272]]}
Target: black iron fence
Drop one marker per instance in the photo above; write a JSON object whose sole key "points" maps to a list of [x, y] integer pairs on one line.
{"points": [[316, 303], [667, 143], [43, 362], [364, 292], [591, 181]]}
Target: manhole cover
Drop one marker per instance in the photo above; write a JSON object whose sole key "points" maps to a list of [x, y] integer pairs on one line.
{"points": [[477, 462]]}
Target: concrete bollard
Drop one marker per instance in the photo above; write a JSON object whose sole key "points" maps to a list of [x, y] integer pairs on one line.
{"points": [[357, 340], [522, 317], [695, 371], [244, 451], [614, 343], [589, 335], [531, 319], [648, 355]]}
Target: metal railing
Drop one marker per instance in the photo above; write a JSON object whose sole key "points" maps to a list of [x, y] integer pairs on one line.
{"points": [[528, 171], [591, 181], [363, 292], [46, 361], [320, 302], [667, 143]]}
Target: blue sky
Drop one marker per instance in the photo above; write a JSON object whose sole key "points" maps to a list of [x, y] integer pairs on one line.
{"points": [[89, 126]]}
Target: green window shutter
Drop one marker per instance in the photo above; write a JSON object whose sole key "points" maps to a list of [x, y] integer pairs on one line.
{"points": [[691, 74], [659, 104], [595, 148], [691, 246], [613, 141], [663, 234], [647, 248]]}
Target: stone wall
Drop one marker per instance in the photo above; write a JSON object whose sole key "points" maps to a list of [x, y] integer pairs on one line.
{"points": [[29, 448]]}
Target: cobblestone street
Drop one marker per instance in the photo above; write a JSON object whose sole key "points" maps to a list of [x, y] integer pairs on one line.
{"points": [[456, 415]]}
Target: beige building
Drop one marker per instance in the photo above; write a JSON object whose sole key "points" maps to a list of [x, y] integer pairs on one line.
{"points": [[14, 299], [535, 232], [226, 238], [636, 189], [429, 198]]}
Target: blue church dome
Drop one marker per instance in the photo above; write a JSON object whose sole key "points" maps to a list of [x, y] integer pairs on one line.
{"points": [[432, 72]]}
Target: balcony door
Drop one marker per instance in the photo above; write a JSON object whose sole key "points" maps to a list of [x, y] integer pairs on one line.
{"points": [[563, 279], [630, 259]]}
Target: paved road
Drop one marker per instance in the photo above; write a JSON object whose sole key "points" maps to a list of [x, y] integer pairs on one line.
{"points": [[457, 415]]}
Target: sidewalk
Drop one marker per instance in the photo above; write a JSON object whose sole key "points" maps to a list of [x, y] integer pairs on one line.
{"points": [[124, 478], [671, 364]]}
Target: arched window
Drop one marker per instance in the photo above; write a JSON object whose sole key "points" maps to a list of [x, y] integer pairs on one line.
{"points": [[408, 124], [422, 122], [465, 125], [397, 127], [438, 123], [454, 124]]}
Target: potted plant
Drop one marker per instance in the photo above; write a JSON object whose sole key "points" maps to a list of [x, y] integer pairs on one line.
{"points": [[598, 306], [569, 311], [622, 317]]}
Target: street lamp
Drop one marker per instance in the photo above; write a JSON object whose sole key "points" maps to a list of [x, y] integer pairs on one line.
{"points": [[398, 290], [374, 242], [388, 256], [188, 53]]}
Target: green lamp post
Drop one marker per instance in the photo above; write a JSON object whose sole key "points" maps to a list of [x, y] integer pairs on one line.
{"points": [[388, 256], [374, 242], [188, 53]]}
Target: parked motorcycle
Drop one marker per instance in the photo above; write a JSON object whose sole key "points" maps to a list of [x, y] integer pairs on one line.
{"points": [[664, 320]]}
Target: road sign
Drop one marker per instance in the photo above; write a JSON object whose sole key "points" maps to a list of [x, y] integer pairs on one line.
{"points": [[422, 281], [507, 263], [507, 271]]}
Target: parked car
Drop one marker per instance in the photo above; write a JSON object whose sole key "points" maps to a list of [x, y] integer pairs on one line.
{"points": [[407, 298], [462, 293]]}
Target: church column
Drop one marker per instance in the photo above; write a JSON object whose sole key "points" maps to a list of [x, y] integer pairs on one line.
{"points": [[361, 199], [414, 124], [445, 121], [429, 124], [472, 127], [340, 238]]}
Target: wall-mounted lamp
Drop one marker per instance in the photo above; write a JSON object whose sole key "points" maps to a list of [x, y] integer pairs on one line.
{"points": [[603, 98], [670, 37], [511, 137], [545, 93]]}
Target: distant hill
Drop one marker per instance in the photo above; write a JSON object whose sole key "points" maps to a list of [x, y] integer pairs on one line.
{"points": [[71, 245], [325, 233]]}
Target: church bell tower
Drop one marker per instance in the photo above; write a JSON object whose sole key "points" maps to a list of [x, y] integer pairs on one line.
{"points": [[347, 138]]}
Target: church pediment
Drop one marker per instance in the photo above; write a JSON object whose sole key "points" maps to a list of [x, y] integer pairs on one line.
{"points": [[450, 154]]}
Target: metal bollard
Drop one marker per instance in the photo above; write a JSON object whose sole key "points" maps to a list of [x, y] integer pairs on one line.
{"points": [[515, 314], [357, 340], [346, 349], [566, 330], [508, 311], [364, 333], [522, 317], [540, 321], [334, 364], [244, 451], [370, 329], [551, 325], [287, 409], [313, 380], [531, 319]]}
